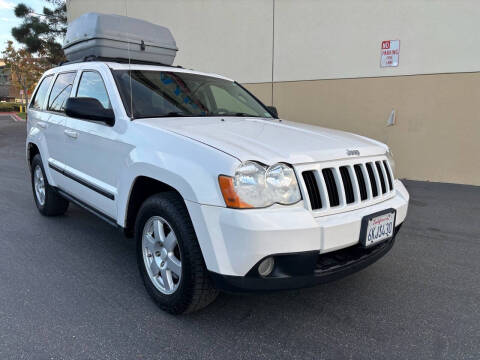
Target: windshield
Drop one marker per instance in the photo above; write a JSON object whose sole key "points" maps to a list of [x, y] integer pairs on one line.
{"points": [[171, 94]]}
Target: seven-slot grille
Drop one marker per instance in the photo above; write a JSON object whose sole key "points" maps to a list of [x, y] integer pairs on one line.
{"points": [[348, 184]]}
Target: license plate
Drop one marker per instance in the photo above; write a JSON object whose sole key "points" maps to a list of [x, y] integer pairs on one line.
{"points": [[377, 227]]}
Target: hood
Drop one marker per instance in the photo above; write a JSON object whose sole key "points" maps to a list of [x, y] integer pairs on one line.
{"points": [[269, 140]]}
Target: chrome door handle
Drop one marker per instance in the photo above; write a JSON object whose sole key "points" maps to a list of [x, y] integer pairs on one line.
{"points": [[42, 124], [71, 133]]}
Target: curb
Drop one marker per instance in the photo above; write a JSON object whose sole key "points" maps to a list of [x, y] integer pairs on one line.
{"points": [[15, 117]]}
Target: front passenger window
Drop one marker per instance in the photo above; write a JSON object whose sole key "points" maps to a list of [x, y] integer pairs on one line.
{"points": [[91, 85], [61, 91]]}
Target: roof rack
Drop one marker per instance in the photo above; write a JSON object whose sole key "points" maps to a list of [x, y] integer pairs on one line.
{"points": [[117, 60]]}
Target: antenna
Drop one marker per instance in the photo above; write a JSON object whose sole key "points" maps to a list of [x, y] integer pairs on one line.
{"points": [[129, 66]]}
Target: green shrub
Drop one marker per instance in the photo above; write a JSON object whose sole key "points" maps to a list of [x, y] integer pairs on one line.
{"points": [[9, 107]]}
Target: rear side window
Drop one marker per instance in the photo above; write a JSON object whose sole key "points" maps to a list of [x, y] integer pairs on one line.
{"points": [[61, 91], [91, 85], [38, 101]]}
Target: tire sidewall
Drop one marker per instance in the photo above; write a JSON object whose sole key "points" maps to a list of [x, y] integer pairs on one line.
{"points": [[178, 301], [37, 161]]}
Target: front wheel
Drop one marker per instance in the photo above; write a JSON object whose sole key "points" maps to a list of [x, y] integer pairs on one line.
{"points": [[169, 257]]}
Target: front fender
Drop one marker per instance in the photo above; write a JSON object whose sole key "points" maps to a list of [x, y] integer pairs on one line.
{"points": [[195, 177]]}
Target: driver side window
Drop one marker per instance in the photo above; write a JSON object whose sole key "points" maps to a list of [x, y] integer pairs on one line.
{"points": [[91, 85]]}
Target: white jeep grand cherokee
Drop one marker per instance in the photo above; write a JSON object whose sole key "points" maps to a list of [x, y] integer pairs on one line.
{"points": [[218, 192]]}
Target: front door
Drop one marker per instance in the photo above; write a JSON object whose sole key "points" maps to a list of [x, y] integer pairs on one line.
{"points": [[54, 125], [94, 152]]}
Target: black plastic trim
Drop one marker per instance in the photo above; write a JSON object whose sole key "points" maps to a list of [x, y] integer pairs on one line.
{"points": [[361, 182], [373, 182], [380, 175], [331, 184], [389, 175], [347, 185], [312, 189], [117, 60], [87, 207], [300, 270], [81, 181]]}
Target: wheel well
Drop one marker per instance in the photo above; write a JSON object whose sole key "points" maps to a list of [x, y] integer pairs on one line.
{"points": [[32, 151], [142, 188]]}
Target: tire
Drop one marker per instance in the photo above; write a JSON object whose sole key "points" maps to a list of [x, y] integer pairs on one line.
{"points": [[192, 288], [51, 203]]}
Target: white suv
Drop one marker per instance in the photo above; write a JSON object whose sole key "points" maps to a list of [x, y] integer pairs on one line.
{"points": [[218, 192]]}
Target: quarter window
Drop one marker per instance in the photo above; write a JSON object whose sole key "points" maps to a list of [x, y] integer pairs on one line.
{"points": [[61, 91], [91, 85], [41, 94]]}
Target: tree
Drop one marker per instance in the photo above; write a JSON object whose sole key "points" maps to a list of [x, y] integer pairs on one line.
{"points": [[40, 32], [26, 70]]}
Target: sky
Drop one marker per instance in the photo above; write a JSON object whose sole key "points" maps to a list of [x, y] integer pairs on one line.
{"points": [[8, 19]]}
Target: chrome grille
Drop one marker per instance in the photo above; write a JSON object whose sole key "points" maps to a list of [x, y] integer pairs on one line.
{"points": [[348, 184]]}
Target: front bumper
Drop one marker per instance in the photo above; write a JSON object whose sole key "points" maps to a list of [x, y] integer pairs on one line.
{"points": [[234, 241], [293, 271]]}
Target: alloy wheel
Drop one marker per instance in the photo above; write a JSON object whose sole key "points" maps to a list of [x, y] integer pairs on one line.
{"points": [[161, 255], [39, 185]]}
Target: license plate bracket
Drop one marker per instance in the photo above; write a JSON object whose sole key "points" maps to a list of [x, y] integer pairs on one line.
{"points": [[377, 227]]}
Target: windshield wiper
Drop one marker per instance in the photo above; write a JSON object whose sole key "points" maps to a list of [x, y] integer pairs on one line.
{"points": [[179, 114], [239, 114]]}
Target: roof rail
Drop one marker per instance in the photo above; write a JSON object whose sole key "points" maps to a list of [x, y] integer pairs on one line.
{"points": [[117, 60]]}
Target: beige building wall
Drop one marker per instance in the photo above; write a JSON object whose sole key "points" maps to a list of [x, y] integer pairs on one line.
{"points": [[328, 39], [229, 37], [318, 61], [437, 134]]}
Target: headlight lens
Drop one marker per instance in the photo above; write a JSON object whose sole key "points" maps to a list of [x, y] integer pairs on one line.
{"points": [[255, 185], [249, 184], [282, 184], [390, 159]]}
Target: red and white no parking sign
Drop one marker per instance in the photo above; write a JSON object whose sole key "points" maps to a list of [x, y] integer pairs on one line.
{"points": [[390, 53]]}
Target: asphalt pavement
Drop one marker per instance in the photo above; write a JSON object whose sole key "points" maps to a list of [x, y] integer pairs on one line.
{"points": [[70, 289]]}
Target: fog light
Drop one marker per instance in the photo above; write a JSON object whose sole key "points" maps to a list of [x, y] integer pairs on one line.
{"points": [[266, 266]]}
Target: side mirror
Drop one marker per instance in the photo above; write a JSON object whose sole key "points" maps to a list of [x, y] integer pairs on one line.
{"points": [[273, 111], [89, 109]]}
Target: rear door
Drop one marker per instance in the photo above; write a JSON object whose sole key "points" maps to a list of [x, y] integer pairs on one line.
{"points": [[55, 124], [94, 151]]}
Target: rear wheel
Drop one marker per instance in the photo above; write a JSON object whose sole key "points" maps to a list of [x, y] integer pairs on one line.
{"points": [[48, 201], [169, 257]]}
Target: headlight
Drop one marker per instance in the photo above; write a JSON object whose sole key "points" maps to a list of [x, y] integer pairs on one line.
{"points": [[255, 185], [249, 184], [390, 159], [282, 184]]}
